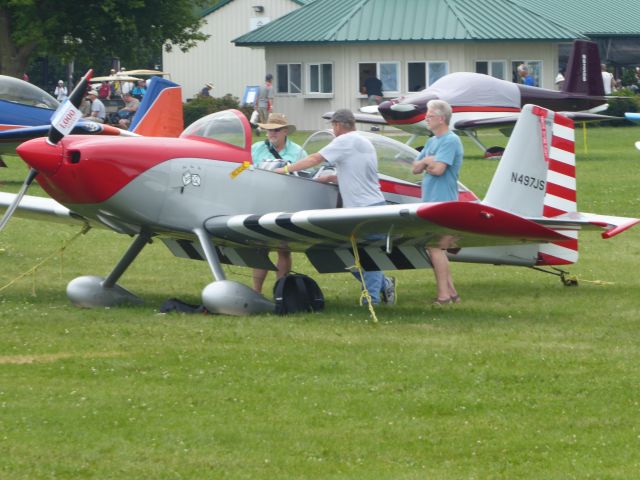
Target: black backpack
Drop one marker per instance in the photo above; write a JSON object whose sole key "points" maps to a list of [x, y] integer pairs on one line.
{"points": [[296, 292]]}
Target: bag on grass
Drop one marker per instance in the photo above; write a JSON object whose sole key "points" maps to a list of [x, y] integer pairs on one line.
{"points": [[296, 292], [176, 305]]}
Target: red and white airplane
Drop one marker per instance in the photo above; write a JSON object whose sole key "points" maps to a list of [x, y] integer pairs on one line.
{"points": [[480, 101], [200, 195]]}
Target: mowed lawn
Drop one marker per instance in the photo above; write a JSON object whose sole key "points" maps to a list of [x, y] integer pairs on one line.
{"points": [[525, 379]]}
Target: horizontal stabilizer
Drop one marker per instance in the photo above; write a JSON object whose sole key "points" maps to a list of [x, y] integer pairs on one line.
{"points": [[368, 118], [590, 221]]}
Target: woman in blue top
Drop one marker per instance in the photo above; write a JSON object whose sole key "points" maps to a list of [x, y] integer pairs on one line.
{"points": [[440, 161]]}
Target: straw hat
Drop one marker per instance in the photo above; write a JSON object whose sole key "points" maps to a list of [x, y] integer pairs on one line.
{"points": [[277, 120]]}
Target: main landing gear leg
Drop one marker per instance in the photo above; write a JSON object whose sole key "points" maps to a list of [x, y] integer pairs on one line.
{"points": [[226, 296], [92, 291]]}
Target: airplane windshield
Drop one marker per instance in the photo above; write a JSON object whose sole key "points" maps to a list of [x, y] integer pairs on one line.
{"points": [[226, 127], [19, 91], [394, 158]]}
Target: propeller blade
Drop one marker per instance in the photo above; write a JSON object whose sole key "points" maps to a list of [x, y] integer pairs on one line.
{"points": [[12, 208], [68, 115]]}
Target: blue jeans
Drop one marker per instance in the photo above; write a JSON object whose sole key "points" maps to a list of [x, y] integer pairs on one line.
{"points": [[374, 281]]}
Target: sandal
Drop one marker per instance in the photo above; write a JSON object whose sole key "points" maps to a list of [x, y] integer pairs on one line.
{"points": [[438, 301], [455, 299]]}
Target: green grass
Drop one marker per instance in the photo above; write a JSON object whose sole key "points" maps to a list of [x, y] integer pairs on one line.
{"points": [[524, 379]]}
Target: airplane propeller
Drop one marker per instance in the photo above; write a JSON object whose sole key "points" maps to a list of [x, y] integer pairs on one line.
{"points": [[62, 121]]}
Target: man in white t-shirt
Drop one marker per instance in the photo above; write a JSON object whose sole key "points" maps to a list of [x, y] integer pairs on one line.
{"points": [[354, 158], [607, 80]]}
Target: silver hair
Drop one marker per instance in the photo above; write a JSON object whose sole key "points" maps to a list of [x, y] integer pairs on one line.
{"points": [[344, 116], [440, 107], [523, 68]]}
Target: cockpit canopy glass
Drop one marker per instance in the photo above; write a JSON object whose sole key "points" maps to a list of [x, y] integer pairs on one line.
{"points": [[19, 91], [226, 127], [394, 158]]}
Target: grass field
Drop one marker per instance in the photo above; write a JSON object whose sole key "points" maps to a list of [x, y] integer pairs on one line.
{"points": [[525, 379]]}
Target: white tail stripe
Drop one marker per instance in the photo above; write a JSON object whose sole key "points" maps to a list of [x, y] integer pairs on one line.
{"points": [[564, 132], [558, 251], [560, 203], [561, 180], [562, 156]]}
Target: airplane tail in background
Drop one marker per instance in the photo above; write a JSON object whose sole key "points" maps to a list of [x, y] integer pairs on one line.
{"points": [[160, 113], [536, 177], [583, 73]]}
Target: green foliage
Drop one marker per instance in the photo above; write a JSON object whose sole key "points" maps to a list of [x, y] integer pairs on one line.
{"points": [[525, 379], [93, 31], [199, 106], [627, 101]]}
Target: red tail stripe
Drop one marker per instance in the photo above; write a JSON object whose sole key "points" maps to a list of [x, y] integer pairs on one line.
{"points": [[560, 191], [546, 259], [564, 121], [570, 244], [563, 168], [551, 212], [563, 144]]}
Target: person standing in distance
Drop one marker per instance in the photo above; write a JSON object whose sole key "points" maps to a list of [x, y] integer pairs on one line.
{"points": [[356, 163], [440, 161], [263, 103]]}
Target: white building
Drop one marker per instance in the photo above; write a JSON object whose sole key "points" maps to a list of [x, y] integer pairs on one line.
{"points": [[217, 60]]}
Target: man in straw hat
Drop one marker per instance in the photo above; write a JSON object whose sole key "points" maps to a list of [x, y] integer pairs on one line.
{"points": [[277, 146], [356, 163]]}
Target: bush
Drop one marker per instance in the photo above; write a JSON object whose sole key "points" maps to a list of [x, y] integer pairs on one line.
{"points": [[201, 106], [630, 102]]}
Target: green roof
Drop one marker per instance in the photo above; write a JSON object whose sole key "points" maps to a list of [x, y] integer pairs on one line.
{"points": [[346, 21], [222, 3], [591, 17]]}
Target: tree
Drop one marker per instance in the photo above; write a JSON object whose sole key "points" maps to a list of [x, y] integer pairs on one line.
{"points": [[91, 32]]}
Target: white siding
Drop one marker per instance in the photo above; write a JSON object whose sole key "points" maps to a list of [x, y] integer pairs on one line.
{"points": [[219, 61], [306, 112]]}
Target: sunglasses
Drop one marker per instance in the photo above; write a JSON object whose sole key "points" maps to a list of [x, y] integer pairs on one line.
{"points": [[275, 129]]}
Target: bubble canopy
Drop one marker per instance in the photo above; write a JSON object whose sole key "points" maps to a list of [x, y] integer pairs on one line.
{"points": [[25, 93]]}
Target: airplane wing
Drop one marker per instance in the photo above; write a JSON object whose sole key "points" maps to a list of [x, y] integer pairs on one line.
{"points": [[388, 237], [368, 118], [42, 208], [510, 121]]}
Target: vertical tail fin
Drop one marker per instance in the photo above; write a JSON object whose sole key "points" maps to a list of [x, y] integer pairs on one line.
{"points": [[537, 176], [160, 113], [583, 73]]}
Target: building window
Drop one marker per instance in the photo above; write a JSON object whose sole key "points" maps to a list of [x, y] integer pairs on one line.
{"points": [[535, 70], [320, 78], [493, 68], [289, 78], [422, 74], [387, 72]]}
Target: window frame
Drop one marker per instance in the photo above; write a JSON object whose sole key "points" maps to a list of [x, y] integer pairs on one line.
{"points": [[427, 68], [319, 93], [277, 79], [385, 93], [490, 67]]}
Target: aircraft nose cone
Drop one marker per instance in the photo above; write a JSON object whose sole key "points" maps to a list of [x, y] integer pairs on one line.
{"points": [[42, 156]]}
